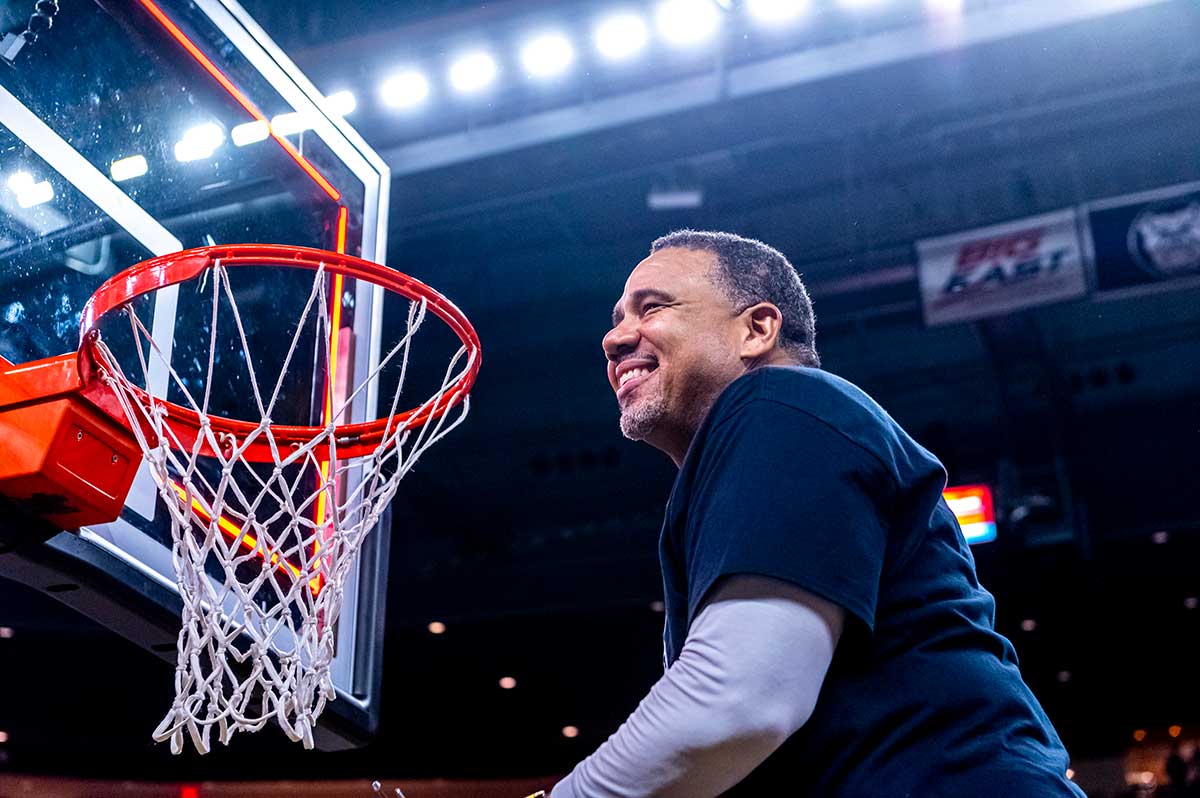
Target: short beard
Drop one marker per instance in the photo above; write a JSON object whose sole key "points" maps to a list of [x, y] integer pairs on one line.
{"points": [[639, 420]]}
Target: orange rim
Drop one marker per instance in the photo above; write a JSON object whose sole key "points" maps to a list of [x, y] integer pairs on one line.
{"points": [[353, 440]]}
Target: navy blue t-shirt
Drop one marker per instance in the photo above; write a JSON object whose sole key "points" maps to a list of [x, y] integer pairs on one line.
{"points": [[798, 475]]}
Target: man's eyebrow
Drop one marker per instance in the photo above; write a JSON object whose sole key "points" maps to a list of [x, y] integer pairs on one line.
{"points": [[636, 298]]}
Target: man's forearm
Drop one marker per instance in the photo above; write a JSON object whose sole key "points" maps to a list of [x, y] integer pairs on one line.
{"points": [[747, 678]]}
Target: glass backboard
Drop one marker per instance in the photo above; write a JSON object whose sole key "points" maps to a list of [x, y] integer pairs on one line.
{"points": [[138, 128]]}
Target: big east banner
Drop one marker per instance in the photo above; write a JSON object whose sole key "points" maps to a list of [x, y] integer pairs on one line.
{"points": [[999, 269]]}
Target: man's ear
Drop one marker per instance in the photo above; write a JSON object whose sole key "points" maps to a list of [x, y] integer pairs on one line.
{"points": [[763, 323]]}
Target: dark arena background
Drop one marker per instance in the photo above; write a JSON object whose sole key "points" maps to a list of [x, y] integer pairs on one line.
{"points": [[996, 207]]}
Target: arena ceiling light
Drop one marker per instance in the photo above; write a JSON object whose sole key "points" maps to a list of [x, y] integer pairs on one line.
{"points": [[406, 89], [473, 72], [687, 22], [621, 35], [777, 12], [944, 8], [250, 132], [341, 103], [547, 55], [199, 142], [128, 168], [290, 124], [30, 192]]}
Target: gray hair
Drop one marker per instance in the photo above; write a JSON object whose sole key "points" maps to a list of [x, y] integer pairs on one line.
{"points": [[749, 272]]}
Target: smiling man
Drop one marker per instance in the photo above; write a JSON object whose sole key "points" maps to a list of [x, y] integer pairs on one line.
{"points": [[826, 634]]}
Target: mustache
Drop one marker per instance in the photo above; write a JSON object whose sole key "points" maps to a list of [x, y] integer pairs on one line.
{"points": [[634, 356]]}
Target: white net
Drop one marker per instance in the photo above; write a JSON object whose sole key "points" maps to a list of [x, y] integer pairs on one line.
{"points": [[262, 548]]}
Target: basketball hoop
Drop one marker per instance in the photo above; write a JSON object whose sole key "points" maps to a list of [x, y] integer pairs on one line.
{"points": [[263, 534]]}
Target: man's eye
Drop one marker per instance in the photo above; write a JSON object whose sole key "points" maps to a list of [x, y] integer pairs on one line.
{"points": [[649, 306]]}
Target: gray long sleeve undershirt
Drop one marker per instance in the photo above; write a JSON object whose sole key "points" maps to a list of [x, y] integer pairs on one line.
{"points": [[747, 679]]}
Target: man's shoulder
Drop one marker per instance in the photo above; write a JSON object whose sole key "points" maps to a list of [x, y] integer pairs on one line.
{"points": [[816, 393], [834, 403]]}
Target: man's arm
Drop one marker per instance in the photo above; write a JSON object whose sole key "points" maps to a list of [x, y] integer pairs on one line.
{"points": [[746, 680]]}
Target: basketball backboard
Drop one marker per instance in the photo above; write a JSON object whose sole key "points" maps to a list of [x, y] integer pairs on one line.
{"points": [[141, 127]]}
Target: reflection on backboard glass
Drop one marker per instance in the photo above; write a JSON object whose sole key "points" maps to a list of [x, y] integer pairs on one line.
{"points": [[139, 128]]}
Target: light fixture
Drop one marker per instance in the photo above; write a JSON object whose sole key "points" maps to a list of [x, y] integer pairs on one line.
{"points": [[944, 8], [675, 198], [3, 737], [6, 632], [250, 132], [128, 168], [621, 36], [473, 72], [1175, 731], [777, 12], [290, 124], [1070, 773], [1160, 537], [405, 89], [1139, 735], [29, 191], [36, 194], [1028, 625], [199, 142], [547, 55], [687, 22], [570, 732], [1063, 677], [508, 683], [657, 606], [341, 103], [20, 181], [1191, 602], [437, 628]]}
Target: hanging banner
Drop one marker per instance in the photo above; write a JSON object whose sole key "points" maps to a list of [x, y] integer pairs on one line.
{"points": [[1002, 268], [1146, 238]]}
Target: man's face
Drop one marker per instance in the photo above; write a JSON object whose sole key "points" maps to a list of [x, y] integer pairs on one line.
{"points": [[673, 347]]}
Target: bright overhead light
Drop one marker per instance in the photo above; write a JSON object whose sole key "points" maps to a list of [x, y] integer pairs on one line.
{"points": [[570, 732], [199, 142], [944, 7], [290, 124], [621, 36], [6, 632], [250, 132], [128, 168], [20, 181], [686, 22], [341, 103], [473, 72], [37, 194], [3, 736], [777, 11], [208, 135], [436, 628], [547, 55], [29, 192], [405, 90], [508, 683]]}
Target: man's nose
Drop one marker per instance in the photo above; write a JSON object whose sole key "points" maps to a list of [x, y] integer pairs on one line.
{"points": [[620, 339]]}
